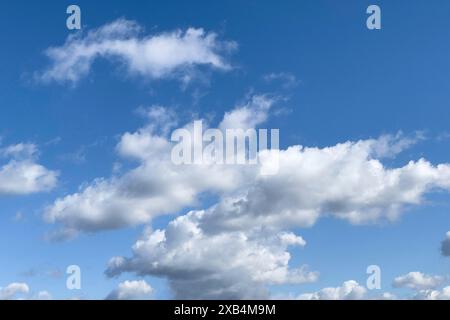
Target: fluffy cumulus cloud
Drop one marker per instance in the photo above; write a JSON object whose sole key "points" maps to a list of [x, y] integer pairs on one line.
{"points": [[174, 54], [349, 290], [21, 291], [201, 264], [445, 245], [21, 174], [443, 294], [156, 186], [348, 181], [13, 291], [418, 281], [424, 286], [238, 246], [131, 290]]}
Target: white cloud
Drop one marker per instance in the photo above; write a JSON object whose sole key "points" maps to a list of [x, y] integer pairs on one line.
{"points": [[21, 291], [388, 146], [418, 281], [445, 245], [20, 150], [228, 250], [348, 181], [443, 294], [288, 80], [153, 188], [171, 54], [290, 239], [249, 114], [425, 287], [344, 181], [43, 295], [13, 290], [387, 296], [350, 290], [131, 290], [201, 264], [21, 174], [156, 186]]}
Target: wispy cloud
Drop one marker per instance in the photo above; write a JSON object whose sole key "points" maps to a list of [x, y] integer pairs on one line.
{"points": [[173, 54], [286, 79]]}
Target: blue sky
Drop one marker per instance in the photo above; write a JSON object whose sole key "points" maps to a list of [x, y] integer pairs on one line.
{"points": [[333, 81]]}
